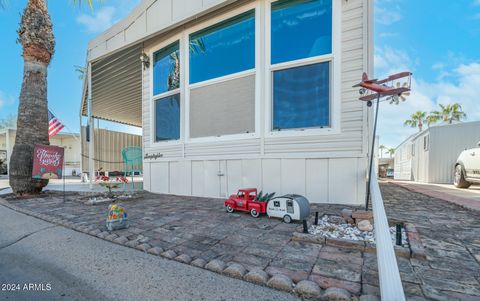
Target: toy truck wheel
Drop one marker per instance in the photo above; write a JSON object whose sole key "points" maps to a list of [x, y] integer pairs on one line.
{"points": [[254, 213], [229, 209], [287, 219]]}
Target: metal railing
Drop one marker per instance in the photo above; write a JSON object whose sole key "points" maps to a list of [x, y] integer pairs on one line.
{"points": [[389, 276]]}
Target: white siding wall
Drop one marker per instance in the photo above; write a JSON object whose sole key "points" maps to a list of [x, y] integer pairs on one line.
{"points": [[446, 144], [403, 161], [325, 168]]}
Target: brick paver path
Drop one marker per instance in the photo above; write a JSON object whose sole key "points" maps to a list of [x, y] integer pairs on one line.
{"points": [[200, 228]]}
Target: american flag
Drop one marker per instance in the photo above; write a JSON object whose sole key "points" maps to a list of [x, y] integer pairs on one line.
{"points": [[54, 125]]}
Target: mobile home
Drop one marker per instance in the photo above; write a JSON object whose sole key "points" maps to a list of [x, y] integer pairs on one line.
{"points": [[233, 94], [429, 156], [69, 141]]}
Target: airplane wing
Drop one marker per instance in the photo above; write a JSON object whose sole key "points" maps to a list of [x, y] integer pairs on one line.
{"points": [[394, 77], [396, 91], [369, 97]]}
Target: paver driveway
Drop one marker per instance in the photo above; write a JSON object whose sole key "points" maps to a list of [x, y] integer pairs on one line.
{"points": [[200, 228]]}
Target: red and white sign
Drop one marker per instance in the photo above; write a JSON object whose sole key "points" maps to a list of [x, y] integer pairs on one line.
{"points": [[47, 162]]}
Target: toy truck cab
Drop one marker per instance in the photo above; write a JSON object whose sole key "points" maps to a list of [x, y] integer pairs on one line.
{"points": [[245, 200]]}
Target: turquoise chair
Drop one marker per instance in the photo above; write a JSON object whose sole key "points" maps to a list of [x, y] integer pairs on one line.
{"points": [[132, 161]]}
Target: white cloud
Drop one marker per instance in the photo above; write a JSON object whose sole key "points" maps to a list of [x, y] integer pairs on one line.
{"points": [[99, 20], [462, 87], [388, 12]]}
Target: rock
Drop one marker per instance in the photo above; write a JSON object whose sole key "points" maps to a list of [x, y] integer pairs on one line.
{"points": [[346, 213], [369, 298], [199, 262], [183, 258], [338, 220], [257, 276], [362, 214], [111, 237], [94, 232], [235, 270], [308, 289], [280, 282], [215, 266], [103, 234], [120, 240], [336, 294], [169, 254], [365, 225], [155, 251], [143, 247], [132, 243]]}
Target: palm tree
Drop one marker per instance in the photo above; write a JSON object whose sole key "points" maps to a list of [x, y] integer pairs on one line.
{"points": [[391, 152], [416, 120], [449, 113], [382, 150], [431, 119], [38, 42]]}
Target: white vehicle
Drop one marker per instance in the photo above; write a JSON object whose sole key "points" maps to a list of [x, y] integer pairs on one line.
{"points": [[467, 168], [289, 207]]}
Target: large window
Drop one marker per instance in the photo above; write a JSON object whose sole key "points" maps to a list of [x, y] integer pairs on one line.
{"points": [[166, 90], [223, 49], [301, 92]]}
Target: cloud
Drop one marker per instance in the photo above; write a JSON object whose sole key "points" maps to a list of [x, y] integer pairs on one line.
{"points": [[461, 87], [99, 21], [388, 12]]}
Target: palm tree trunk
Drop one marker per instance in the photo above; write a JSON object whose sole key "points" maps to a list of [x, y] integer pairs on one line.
{"points": [[36, 36]]}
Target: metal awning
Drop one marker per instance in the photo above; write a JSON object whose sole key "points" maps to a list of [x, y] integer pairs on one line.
{"points": [[117, 88]]}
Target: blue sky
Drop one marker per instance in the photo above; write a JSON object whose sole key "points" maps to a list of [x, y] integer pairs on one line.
{"points": [[438, 42]]}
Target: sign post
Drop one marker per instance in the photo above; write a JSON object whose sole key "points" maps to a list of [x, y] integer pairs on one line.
{"points": [[48, 162]]}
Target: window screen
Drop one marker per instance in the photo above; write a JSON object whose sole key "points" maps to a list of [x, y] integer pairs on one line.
{"points": [[167, 118], [223, 109], [301, 97]]}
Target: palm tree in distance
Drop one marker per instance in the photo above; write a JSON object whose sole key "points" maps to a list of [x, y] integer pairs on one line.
{"points": [[38, 42], [417, 119], [382, 150], [391, 152], [449, 113]]}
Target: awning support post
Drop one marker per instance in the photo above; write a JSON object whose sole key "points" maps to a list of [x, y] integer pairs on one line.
{"points": [[90, 127]]}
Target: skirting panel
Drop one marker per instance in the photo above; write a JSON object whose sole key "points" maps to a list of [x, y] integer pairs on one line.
{"points": [[336, 181]]}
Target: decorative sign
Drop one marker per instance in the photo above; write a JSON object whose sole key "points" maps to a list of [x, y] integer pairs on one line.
{"points": [[47, 162], [153, 156]]}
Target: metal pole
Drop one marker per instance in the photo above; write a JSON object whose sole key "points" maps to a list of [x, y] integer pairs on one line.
{"points": [[91, 122], [371, 153], [63, 174]]}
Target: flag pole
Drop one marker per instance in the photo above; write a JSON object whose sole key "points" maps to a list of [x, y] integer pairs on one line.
{"points": [[63, 174]]}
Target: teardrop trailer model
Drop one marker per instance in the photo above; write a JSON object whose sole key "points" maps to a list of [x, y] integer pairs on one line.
{"points": [[288, 207]]}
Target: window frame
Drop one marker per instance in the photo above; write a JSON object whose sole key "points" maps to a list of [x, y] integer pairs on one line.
{"points": [[255, 71], [334, 59], [154, 97]]}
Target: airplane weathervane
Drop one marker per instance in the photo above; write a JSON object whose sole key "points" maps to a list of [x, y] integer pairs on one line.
{"points": [[390, 87]]}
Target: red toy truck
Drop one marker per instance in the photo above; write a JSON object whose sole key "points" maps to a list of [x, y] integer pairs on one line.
{"points": [[245, 200]]}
